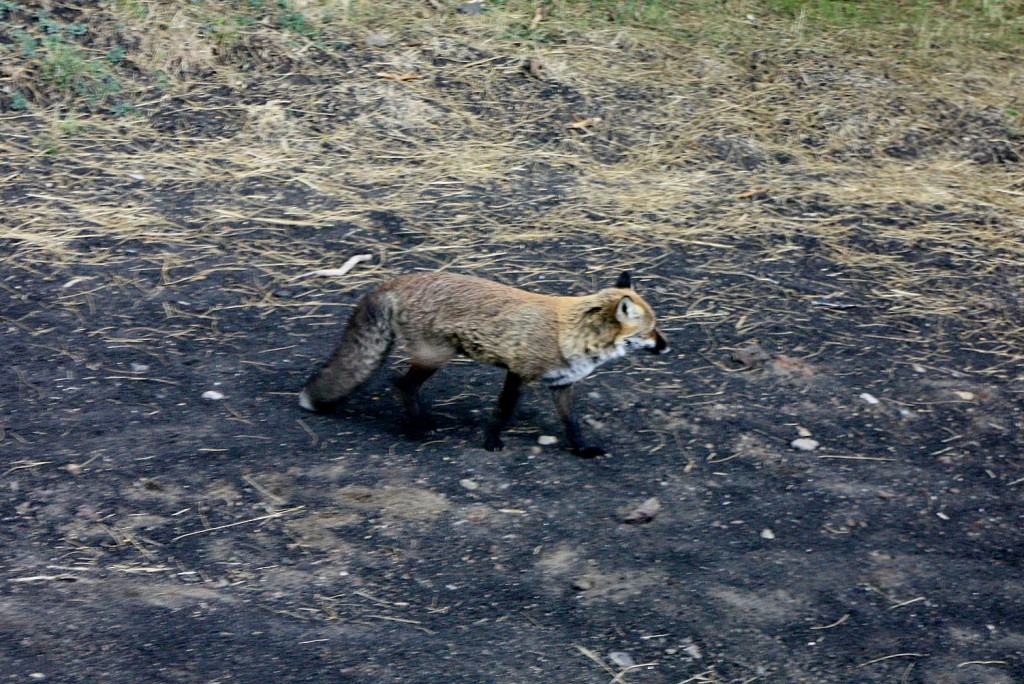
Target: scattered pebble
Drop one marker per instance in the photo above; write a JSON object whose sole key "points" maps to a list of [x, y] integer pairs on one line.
{"points": [[752, 355], [805, 444], [788, 367], [547, 440], [377, 40], [621, 659], [471, 485], [644, 513], [802, 431], [582, 583], [471, 8], [691, 649], [139, 367], [212, 395], [87, 512], [767, 533], [966, 396], [478, 514], [74, 468], [868, 398]]}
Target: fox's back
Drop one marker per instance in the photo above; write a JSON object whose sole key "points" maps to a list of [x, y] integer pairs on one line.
{"points": [[487, 321]]}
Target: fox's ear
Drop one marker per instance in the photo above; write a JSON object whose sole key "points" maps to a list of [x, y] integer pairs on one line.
{"points": [[627, 310], [624, 282]]}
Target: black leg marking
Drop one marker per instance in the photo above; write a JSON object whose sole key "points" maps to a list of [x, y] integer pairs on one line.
{"points": [[567, 412], [409, 387], [503, 412]]}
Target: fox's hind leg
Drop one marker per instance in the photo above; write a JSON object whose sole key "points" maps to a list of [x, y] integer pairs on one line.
{"points": [[408, 387], [503, 412]]}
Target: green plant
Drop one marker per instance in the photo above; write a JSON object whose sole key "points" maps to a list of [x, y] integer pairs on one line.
{"points": [[76, 30], [116, 54], [7, 7], [291, 19], [29, 44], [134, 8], [70, 71], [46, 22], [18, 101]]}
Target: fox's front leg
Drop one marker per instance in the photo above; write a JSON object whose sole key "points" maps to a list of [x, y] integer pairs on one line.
{"points": [[567, 412], [409, 387], [503, 412]]}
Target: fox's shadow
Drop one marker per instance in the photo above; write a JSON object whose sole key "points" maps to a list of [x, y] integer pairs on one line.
{"points": [[461, 399]]}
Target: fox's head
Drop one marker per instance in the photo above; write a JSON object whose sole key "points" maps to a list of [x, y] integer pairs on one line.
{"points": [[638, 328]]}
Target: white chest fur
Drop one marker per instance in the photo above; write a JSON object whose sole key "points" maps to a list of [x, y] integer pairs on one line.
{"points": [[581, 366]]}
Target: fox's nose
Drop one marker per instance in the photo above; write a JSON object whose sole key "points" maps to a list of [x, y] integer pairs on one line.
{"points": [[660, 344]]}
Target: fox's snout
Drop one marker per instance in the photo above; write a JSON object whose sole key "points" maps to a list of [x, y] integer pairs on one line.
{"points": [[657, 343]]}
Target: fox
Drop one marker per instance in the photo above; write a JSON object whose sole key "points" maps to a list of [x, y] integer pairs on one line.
{"points": [[559, 340]]}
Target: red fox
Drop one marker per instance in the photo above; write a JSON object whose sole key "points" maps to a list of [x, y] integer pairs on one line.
{"points": [[559, 340]]}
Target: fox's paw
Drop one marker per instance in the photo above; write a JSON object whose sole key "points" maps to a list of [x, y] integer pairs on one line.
{"points": [[307, 402], [587, 451], [421, 425], [493, 443]]}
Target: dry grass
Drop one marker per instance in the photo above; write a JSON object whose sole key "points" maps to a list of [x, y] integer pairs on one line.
{"points": [[715, 153]]}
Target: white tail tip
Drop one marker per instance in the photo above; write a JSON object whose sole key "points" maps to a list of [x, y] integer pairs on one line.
{"points": [[305, 402]]}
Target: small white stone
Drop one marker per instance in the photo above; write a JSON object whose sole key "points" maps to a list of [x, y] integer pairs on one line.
{"points": [[805, 444], [212, 395], [766, 533], [547, 440], [139, 367], [868, 398], [621, 659], [469, 484], [644, 513], [377, 40]]}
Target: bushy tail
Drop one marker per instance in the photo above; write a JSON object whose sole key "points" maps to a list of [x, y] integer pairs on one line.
{"points": [[367, 341]]}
